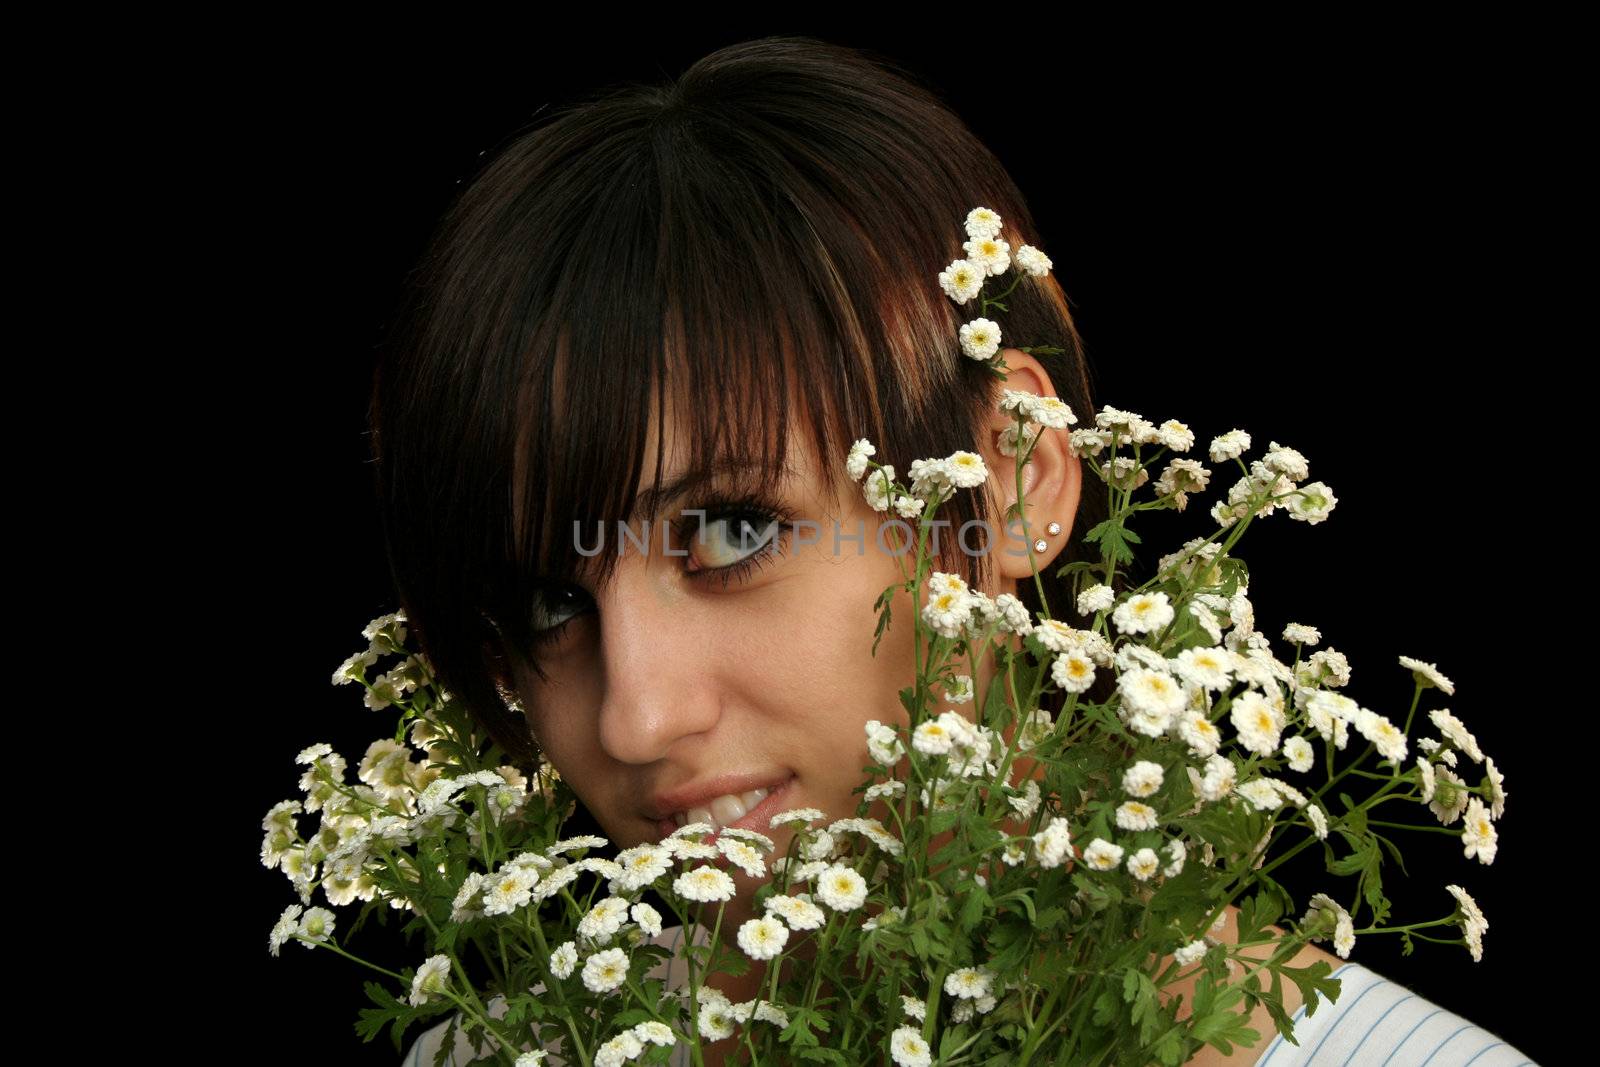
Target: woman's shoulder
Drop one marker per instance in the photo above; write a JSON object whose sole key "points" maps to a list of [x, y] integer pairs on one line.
{"points": [[1378, 1020]]}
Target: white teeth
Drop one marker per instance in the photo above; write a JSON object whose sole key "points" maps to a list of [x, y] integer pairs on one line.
{"points": [[727, 809], [723, 810]]}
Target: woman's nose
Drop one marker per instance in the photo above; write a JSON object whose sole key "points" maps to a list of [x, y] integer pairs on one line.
{"points": [[659, 675]]}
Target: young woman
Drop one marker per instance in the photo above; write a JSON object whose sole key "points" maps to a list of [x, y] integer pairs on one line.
{"points": [[675, 308]]}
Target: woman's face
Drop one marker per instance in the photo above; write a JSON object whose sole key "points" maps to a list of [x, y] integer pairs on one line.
{"points": [[676, 690]]}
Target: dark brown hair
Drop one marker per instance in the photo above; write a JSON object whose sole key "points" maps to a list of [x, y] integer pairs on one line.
{"points": [[764, 232]]}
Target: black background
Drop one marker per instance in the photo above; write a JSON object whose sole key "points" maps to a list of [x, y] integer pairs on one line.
{"points": [[1323, 242]]}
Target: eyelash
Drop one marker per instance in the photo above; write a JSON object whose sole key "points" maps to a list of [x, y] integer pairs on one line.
{"points": [[716, 509]]}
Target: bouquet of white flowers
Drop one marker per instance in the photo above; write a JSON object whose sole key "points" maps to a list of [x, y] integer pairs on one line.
{"points": [[1040, 879]]}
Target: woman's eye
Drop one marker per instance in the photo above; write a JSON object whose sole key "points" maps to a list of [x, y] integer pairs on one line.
{"points": [[553, 609], [734, 539], [726, 541]]}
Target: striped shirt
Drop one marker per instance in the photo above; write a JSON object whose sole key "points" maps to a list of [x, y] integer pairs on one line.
{"points": [[1374, 1023]]}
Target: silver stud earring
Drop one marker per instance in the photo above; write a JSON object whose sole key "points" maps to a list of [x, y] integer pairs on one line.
{"points": [[1053, 529], [510, 699], [1040, 545]]}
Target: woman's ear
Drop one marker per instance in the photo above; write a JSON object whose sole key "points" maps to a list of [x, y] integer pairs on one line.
{"points": [[1051, 480]]}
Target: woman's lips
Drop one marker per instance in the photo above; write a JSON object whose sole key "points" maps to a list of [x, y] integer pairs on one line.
{"points": [[758, 818]]}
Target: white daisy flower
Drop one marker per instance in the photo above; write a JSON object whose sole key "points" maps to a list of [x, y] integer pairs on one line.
{"points": [[1479, 837], [317, 925], [510, 889], [908, 1048], [1258, 722], [1051, 412], [929, 478], [287, 926], [1101, 855], [1344, 937], [886, 790], [947, 613], [1428, 675], [716, 1019], [1319, 821], [1200, 733], [1035, 728], [1175, 435], [1300, 634], [1143, 613], [959, 691], [1018, 437], [1449, 796], [1053, 845], [1259, 792], [1220, 777], [742, 855], [797, 816], [819, 847], [685, 848], [983, 222], [990, 254], [1056, 635], [883, 743], [762, 939], [1033, 261], [642, 865], [573, 843], [564, 959], [1143, 779], [1152, 699], [1095, 599], [876, 487], [798, 912], [980, 339], [841, 888], [1286, 461], [855, 463], [1136, 815], [704, 884], [430, 979], [968, 983], [531, 1059], [1144, 864], [1230, 445], [1073, 671], [1190, 952], [604, 919], [1311, 503], [932, 738], [965, 469], [1177, 853], [656, 1033], [914, 1008], [648, 918], [1028, 801], [962, 280], [606, 970], [1457, 732], [1301, 756], [1473, 924], [909, 507], [1204, 668], [354, 669], [1385, 735], [1495, 783]]}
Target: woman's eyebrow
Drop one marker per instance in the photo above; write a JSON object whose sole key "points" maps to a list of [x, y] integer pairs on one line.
{"points": [[660, 495]]}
